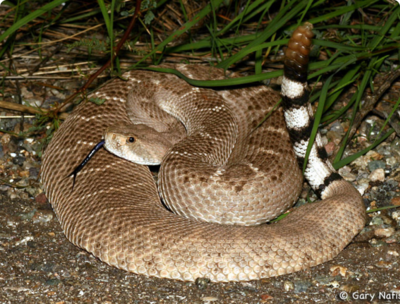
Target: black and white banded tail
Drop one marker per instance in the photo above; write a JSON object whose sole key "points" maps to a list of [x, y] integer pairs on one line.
{"points": [[298, 112]]}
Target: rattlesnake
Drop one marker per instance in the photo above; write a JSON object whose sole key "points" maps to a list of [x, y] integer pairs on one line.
{"points": [[114, 210]]}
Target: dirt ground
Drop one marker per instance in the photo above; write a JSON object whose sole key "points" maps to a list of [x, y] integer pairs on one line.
{"points": [[39, 265]]}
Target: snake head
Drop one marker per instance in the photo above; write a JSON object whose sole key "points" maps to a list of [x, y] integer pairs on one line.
{"points": [[140, 144]]}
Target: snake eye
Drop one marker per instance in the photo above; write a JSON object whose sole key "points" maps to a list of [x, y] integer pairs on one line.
{"points": [[131, 139]]}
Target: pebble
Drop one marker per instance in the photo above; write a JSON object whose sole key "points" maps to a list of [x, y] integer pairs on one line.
{"points": [[266, 297], [337, 127], [202, 283], [330, 148], [52, 282], [384, 232], [376, 164], [393, 253], [19, 160], [363, 161], [377, 243], [24, 240], [43, 216], [392, 161], [13, 144], [377, 220], [41, 198], [209, 299], [362, 185], [334, 137], [334, 284], [301, 286], [395, 201], [288, 286], [396, 215], [34, 172], [345, 172], [384, 265], [377, 175], [337, 269]]}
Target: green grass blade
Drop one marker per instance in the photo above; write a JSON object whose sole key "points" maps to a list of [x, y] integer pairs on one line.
{"points": [[339, 164], [181, 30], [342, 10], [317, 118], [217, 83], [287, 13], [20, 23]]}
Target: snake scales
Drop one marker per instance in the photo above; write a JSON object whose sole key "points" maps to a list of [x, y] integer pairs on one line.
{"points": [[115, 213]]}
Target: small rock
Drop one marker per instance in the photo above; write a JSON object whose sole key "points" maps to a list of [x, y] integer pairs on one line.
{"points": [[330, 148], [43, 216], [52, 282], [391, 240], [377, 175], [5, 139], [24, 174], [202, 283], [34, 172], [396, 215], [209, 299], [31, 244], [395, 201], [337, 127], [337, 269], [41, 199], [376, 221], [266, 297], [334, 137], [22, 183], [384, 265], [287, 286], [362, 186], [393, 253], [333, 284], [24, 240], [19, 160], [28, 216], [377, 243], [376, 164], [301, 286], [13, 144], [325, 280], [384, 232], [391, 161], [345, 172]]}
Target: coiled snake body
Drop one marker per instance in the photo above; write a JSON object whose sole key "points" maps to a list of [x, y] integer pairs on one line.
{"points": [[115, 212]]}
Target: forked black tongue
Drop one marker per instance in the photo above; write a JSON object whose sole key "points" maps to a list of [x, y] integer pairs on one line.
{"points": [[85, 161]]}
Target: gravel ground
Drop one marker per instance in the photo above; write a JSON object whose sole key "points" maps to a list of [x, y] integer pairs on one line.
{"points": [[39, 265]]}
